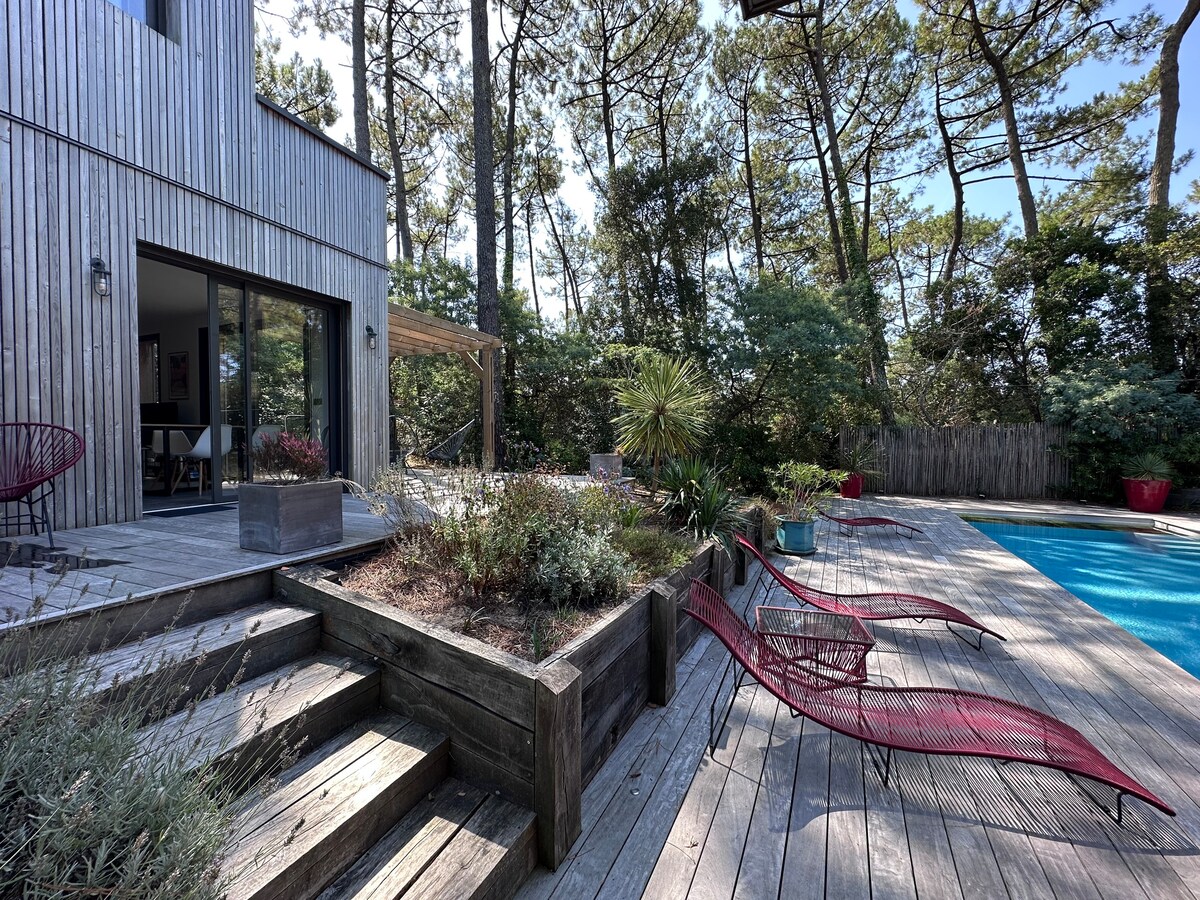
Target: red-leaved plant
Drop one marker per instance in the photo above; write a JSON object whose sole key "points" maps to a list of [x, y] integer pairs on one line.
{"points": [[290, 459]]}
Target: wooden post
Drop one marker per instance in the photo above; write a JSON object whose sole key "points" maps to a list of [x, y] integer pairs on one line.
{"points": [[663, 650], [487, 396], [739, 561], [557, 778], [716, 571]]}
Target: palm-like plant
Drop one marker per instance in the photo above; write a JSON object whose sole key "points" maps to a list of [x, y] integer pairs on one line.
{"points": [[664, 410]]}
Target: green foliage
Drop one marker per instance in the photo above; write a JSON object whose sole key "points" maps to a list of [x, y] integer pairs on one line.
{"points": [[656, 223], [779, 353], [305, 90], [1110, 412], [578, 566], [521, 534], [802, 487], [85, 811], [1186, 455], [664, 410], [608, 503], [1148, 467], [654, 553], [863, 457], [696, 500], [1082, 292]]}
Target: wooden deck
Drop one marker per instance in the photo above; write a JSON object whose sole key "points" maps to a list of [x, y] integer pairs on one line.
{"points": [[785, 809], [157, 555]]}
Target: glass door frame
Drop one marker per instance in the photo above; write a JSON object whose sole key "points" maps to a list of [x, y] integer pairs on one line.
{"points": [[338, 312], [337, 408]]}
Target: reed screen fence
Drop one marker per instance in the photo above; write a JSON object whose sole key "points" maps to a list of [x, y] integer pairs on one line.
{"points": [[1014, 462]]}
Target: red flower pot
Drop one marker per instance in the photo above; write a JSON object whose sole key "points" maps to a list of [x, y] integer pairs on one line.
{"points": [[852, 487], [1145, 496]]}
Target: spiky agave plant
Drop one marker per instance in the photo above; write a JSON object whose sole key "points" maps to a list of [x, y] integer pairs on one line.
{"points": [[664, 410]]}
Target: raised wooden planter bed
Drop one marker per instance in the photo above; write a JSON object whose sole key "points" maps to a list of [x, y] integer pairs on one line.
{"points": [[536, 733]]}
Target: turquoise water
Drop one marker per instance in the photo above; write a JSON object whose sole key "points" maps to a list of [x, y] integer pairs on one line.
{"points": [[1147, 583]]}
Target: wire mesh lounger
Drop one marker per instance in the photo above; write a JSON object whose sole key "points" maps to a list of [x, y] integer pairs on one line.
{"points": [[848, 524], [939, 721], [873, 607]]}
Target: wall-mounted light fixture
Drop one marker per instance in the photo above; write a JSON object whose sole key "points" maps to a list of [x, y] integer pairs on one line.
{"points": [[371, 337], [101, 277]]}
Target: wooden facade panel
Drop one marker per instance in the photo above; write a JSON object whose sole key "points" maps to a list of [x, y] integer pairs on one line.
{"points": [[113, 135]]}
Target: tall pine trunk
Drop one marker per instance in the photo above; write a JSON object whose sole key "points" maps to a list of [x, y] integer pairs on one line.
{"points": [[358, 73], [1012, 131], [1159, 333], [485, 204], [403, 230]]}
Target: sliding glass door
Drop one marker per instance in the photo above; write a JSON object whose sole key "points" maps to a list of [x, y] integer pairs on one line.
{"points": [[291, 366]]}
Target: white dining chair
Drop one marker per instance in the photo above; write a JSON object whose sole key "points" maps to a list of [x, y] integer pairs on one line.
{"points": [[201, 453], [262, 433]]}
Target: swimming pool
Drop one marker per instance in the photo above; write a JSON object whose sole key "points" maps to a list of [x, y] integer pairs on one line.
{"points": [[1146, 582]]}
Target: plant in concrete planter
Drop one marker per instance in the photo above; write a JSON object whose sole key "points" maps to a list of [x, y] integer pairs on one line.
{"points": [[861, 460], [1147, 481], [801, 488], [296, 506]]}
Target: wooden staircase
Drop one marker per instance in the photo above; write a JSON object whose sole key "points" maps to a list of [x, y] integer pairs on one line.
{"points": [[343, 799]]}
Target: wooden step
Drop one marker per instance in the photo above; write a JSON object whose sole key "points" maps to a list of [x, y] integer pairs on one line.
{"points": [[488, 859], [389, 868], [251, 727], [179, 665], [323, 813]]}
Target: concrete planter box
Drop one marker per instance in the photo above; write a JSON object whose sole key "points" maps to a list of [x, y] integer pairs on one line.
{"points": [[609, 462], [285, 518], [537, 733]]}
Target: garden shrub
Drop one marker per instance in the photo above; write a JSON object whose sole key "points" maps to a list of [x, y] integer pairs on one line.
{"points": [[654, 553], [1110, 414], [579, 566], [84, 810], [698, 502]]}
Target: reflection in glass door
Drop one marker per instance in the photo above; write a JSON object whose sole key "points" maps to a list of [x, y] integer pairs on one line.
{"points": [[290, 366], [231, 378]]}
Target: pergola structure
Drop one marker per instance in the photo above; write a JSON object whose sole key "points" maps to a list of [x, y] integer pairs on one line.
{"points": [[412, 333]]}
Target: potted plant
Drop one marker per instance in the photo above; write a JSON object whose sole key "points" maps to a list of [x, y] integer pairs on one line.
{"points": [[801, 488], [297, 506], [1147, 481], [861, 460]]}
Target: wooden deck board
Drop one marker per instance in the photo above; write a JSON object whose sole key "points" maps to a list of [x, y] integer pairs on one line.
{"points": [[157, 555], [944, 826]]}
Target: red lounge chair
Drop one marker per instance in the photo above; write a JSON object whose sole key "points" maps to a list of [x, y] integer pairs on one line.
{"points": [[847, 525], [920, 720], [873, 607], [32, 455]]}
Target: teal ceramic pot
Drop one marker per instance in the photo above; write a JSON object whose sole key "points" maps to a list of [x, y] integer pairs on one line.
{"points": [[796, 538]]}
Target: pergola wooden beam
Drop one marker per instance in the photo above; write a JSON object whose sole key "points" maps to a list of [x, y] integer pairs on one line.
{"points": [[413, 333]]}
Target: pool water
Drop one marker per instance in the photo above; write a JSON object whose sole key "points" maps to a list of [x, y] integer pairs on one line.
{"points": [[1146, 582]]}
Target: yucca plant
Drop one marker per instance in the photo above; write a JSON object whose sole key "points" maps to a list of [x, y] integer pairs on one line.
{"points": [[698, 502], [664, 410], [1148, 467]]}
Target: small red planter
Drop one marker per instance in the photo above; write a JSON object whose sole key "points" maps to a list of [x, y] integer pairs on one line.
{"points": [[1145, 496], [852, 487]]}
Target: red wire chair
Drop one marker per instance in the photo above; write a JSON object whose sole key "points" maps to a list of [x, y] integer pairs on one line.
{"points": [[846, 525], [938, 721], [32, 455], [872, 607]]}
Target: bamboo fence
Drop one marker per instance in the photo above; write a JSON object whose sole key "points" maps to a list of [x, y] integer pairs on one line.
{"points": [[1015, 462]]}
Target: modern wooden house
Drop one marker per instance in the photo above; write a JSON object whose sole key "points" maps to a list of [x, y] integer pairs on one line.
{"points": [[184, 267]]}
